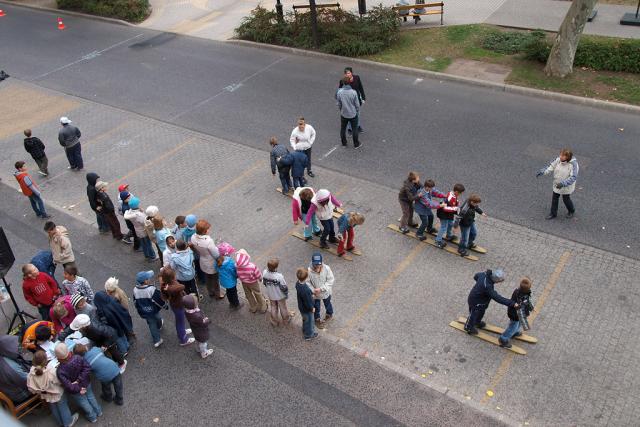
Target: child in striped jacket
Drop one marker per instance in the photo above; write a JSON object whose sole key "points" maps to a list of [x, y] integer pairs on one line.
{"points": [[250, 276]]}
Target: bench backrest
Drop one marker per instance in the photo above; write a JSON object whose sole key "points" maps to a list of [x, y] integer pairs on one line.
{"points": [[418, 6], [318, 6]]}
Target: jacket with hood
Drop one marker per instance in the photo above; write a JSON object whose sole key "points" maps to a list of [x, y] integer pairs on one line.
{"points": [[348, 102], [147, 300], [467, 215], [228, 273], [273, 283], [323, 281], [198, 322], [297, 160], [247, 271], [42, 290], [173, 292], [324, 212], [208, 251], [298, 208], [565, 174], [60, 246], [47, 385], [92, 193], [451, 207], [105, 203], [68, 136], [301, 141], [137, 218], [483, 291], [182, 263], [35, 147], [61, 323], [408, 192]]}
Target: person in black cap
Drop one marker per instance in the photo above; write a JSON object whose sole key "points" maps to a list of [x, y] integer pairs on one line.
{"points": [[481, 295]]}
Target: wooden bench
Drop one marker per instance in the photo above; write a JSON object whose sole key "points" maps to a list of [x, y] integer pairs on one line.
{"points": [[429, 9], [23, 408], [318, 6]]}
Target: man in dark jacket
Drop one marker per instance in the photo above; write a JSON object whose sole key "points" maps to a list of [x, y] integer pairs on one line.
{"points": [[35, 147], [356, 84], [69, 138], [105, 206], [466, 220], [481, 295], [277, 153], [92, 195]]}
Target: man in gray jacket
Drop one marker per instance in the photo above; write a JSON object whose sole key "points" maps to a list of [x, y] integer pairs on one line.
{"points": [[69, 138], [349, 106]]}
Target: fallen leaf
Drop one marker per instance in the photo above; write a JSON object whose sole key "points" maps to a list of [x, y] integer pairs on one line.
{"points": [[424, 375]]}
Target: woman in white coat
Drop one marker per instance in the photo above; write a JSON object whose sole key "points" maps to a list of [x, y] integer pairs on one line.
{"points": [[565, 173]]}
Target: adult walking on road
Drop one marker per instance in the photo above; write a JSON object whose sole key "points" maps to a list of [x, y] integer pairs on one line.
{"points": [[60, 244], [356, 84], [69, 138], [302, 138], [35, 147], [30, 189], [565, 173], [349, 107], [92, 195]]}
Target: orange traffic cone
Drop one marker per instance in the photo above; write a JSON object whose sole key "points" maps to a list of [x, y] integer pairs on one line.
{"points": [[61, 25], [2, 13]]}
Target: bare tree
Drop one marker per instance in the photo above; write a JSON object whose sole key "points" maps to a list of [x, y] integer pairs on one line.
{"points": [[563, 52]]}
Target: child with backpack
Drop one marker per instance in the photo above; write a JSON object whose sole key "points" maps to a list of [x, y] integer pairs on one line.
{"points": [[250, 277], [446, 211], [277, 291], [148, 301], [466, 220], [198, 322], [105, 370]]}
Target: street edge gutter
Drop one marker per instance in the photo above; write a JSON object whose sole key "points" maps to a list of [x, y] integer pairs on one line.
{"points": [[69, 12], [520, 90]]}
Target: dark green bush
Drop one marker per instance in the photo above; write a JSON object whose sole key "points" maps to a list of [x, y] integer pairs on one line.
{"points": [[511, 42], [128, 10], [339, 32]]}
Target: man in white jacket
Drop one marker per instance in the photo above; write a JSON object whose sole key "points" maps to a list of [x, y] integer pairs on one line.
{"points": [[302, 138]]}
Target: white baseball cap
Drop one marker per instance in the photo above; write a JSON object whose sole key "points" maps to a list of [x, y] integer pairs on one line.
{"points": [[65, 120]]}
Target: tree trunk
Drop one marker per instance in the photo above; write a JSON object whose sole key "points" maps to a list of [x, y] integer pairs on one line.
{"points": [[314, 23], [560, 61]]}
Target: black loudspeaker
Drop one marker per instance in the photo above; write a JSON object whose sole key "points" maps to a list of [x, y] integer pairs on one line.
{"points": [[6, 255]]}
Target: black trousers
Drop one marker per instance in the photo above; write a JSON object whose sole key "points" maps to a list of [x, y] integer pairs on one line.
{"points": [[232, 296], [308, 153], [354, 128], [566, 198], [476, 313]]}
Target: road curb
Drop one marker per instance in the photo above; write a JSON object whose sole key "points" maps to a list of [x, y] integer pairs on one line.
{"points": [[69, 12], [520, 90]]}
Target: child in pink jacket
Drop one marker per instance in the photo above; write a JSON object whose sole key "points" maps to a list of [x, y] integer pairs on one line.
{"points": [[250, 276]]}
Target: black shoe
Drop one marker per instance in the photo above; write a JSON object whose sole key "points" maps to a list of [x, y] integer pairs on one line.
{"points": [[431, 230], [357, 146], [422, 238], [441, 245], [481, 324], [344, 145], [317, 233], [105, 398], [360, 130], [306, 239], [472, 245], [404, 230], [324, 245], [463, 252], [45, 216], [504, 344], [119, 402], [570, 214], [550, 216], [333, 240], [449, 238], [472, 331], [311, 174], [518, 334]]}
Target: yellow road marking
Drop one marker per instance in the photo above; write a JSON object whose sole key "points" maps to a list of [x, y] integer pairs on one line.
{"points": [[388, 281], [508, 359], [227, 186]]}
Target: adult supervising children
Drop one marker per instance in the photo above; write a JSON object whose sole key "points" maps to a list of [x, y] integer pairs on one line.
{"points": [[302, 138]]}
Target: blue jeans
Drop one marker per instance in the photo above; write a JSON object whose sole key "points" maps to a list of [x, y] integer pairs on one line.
{"points": [[327, 307], [467, 236], [445, 224], [312, 227], [88, 403], [307, 324], [512, 329], [298, 181], [123, 344], [425, 224], [102, 223], [155, 322], [327, 230], [74, 155], [180, 324], [147, 249], [61, 412], [38, 205], [285, 180]]}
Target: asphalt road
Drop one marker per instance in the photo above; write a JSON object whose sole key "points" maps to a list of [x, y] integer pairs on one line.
{"points": [[492, 142], [271, 378]]}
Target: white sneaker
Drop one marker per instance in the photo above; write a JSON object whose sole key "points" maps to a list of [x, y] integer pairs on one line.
{"points": [[187, 331], [189, 341], [206, 353], [123, 367], [74, 419], [159, 343]]}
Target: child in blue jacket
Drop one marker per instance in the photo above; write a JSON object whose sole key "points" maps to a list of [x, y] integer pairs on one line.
{"points": [[423, 207], [228, 278], [105, 370]]}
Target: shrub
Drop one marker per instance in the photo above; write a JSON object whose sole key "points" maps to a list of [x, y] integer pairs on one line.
{"points": [[339, 32], [128, 10], [511, 42]]}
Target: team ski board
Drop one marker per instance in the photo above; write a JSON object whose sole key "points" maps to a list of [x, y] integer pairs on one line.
{"points": [[456, 240], [488, 338], [498, 330], [331, 249], [449, 248]]}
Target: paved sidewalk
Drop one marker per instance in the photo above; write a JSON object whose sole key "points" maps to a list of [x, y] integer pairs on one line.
{"points": [[394, 303]]}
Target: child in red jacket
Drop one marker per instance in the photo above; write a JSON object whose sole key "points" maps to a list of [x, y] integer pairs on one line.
{"points": [[446, 211], [39, 289]]}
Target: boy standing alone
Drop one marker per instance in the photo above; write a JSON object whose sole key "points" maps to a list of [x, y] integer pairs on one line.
{"points": [[35, 147], [30, 189]]}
